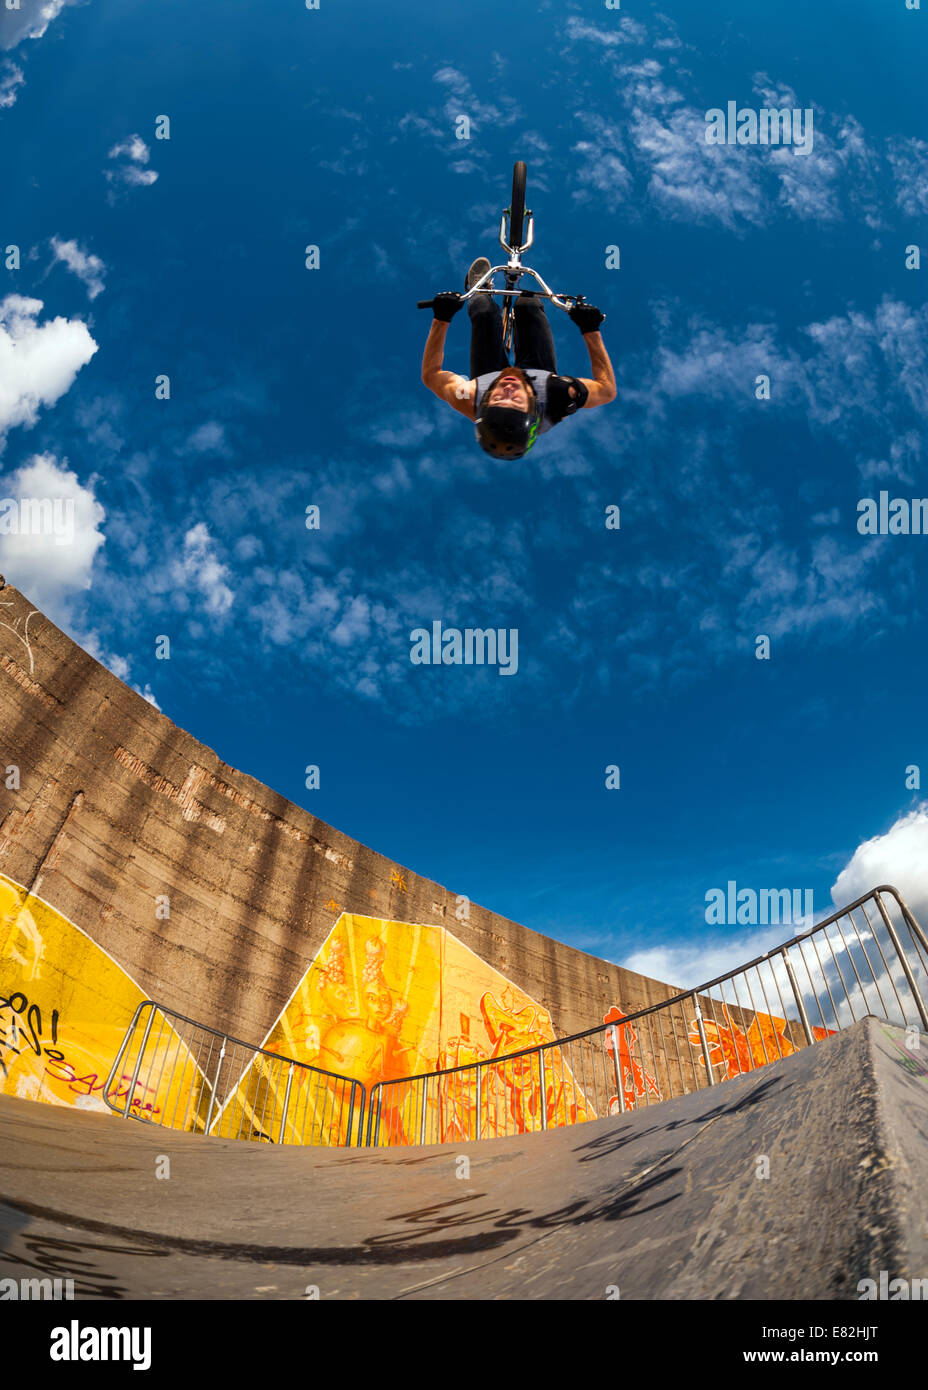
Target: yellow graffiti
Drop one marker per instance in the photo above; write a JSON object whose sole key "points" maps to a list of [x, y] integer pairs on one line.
{"points": [[64, 1009], [385, 1000]]}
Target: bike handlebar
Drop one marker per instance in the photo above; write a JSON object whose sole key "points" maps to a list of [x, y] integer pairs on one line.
{"points": [[571, 298]]}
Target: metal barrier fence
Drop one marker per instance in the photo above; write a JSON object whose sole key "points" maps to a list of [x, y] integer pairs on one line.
{"points": [[868, 958], [174, 1072]]}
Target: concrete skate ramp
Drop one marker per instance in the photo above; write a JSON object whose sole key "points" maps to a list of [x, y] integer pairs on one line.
{"points": [[662, 1203]]}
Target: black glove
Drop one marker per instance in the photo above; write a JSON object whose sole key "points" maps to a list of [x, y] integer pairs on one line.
{"points": [[560, 402], [587, 317], [446, 305]]}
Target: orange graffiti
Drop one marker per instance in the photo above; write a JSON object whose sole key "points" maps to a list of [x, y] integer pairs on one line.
{"points": [[636, 1083], [766, 1040]]}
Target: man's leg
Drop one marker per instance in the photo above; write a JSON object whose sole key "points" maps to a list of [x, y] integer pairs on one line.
{"points": [[534, 341], [486, 336]]}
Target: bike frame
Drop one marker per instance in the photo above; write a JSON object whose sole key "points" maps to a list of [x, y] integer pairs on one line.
{"points": [[513, 270]]}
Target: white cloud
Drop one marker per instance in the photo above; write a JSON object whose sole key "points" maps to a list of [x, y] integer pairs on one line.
{"points": [[199, 568], [414, 122], [733, 185], [722, 364], [134, 149], [132, 176], [867, 361], [38, 362], [98, 419], [627, 31], [87, 267], [909, 160], [117, 664], [839, 172], [691, 178], [463, 100], [10, 81], [52, 569], [406, 429], [863, 366], [247, 547], [29, 20], [693, 962], [354, 624], [899, 858], [208, 438], [602, 166]]}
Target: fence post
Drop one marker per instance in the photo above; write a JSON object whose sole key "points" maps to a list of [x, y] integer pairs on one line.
{"points": [[135, 1074], [479, 1105], [544, 1088], [910, 921], [619, 1088], [361, 1112], [703, 1040], [424, 1093], [283, 1118], [906, 968], [804, 1017], [212, 1094]]}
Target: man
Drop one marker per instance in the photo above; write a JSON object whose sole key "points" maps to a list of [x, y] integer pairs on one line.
{"points": [[511, 404]]}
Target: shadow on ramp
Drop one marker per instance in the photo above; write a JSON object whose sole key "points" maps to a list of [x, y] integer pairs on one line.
{"points": [[797, 1182]]}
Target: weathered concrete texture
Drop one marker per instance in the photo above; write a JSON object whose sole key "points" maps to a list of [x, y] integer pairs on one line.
{"points": [[117, 806], [663, 1203]]}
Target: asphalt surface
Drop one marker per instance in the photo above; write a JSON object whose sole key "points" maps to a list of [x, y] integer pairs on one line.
{"points": [[671, 1202]]}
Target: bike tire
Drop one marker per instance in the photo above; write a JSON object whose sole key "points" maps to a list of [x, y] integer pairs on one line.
{"points": [[517, 206]]}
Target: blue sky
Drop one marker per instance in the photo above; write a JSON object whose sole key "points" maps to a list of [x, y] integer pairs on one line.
{"points": [[292, 387]]}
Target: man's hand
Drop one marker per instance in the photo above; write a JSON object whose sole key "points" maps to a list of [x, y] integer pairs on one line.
{"points": [[446, 305], [587, 317]]}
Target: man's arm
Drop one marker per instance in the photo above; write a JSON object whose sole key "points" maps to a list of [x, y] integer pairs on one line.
{"points": [[602, 387], [447, 386]]}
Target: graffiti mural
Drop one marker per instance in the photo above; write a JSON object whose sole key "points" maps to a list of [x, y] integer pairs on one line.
{"points": [[385, 1000], [738, 1050], [637, 1084], [381, 1001], [64, 1009]]}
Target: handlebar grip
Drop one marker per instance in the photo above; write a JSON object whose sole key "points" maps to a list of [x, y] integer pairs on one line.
{"points": [[425, 304]]}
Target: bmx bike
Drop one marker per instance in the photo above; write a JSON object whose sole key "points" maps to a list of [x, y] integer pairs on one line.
{"points": [[521, 224]]}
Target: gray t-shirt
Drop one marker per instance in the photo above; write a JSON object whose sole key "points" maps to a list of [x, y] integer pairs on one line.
{"points": [[539, 380]]}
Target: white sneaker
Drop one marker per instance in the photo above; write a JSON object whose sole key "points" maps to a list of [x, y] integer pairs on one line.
{"points": [[478, 269]]}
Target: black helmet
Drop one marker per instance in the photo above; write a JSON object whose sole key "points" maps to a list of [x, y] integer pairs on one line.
{"points": [[504, 432]]}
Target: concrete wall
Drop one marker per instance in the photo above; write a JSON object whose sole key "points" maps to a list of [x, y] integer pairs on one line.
{"points": [[117, 807]]}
